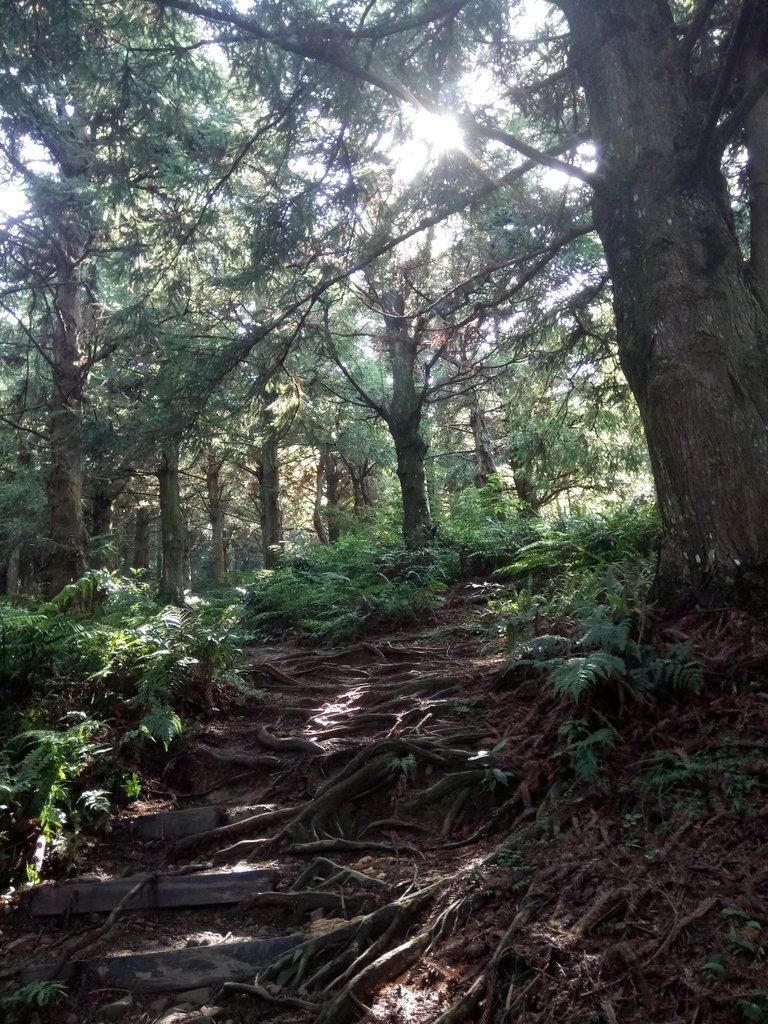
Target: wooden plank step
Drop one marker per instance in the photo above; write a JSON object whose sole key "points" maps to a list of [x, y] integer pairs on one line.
{"points": [[173, 969], [86, 897], [175, 824]]}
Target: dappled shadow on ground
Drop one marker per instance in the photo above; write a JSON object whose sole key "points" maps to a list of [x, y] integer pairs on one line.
{"points": [[454, 842]]}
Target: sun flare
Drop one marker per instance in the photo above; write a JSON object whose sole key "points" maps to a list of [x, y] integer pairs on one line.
{"points": [[439, 132]]}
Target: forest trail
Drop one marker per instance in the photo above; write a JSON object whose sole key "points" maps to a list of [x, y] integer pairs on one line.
{"points": [[388, 832]]}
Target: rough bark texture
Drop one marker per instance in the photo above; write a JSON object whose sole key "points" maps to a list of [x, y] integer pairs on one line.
{"points": [[67, 557], [217, 519], [756, 137], [404, 422], [171, 527], [692, 335]]}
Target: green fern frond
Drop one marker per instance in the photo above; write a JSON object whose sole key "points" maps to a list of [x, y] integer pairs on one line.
{"points": [[605, 633], [575, 676], [677, 672]]}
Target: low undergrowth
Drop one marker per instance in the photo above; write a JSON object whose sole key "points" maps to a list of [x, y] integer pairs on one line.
{"points": [[82, 689]]}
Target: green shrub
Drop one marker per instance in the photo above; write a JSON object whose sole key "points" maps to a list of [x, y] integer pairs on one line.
{"points": [[486, 527], [337, 592]]}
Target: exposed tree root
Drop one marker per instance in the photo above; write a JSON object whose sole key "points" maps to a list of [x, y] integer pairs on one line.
{"points": [[345, 954], [235, 828], [357, 846], [266, 739], [289, 1002], [239, 757], [328, 872]]}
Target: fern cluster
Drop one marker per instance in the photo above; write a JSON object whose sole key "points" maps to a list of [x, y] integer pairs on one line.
{"points": [[336, 593], [602, 650], [597, 539], [128, 661], [42, 769], [698, 781]]}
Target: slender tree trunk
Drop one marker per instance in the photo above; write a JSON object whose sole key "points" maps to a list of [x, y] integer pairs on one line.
{"points": [[171, 527], [217, 519], [67, 558], [187, 553], [102, 506], [525, 491], [317, 514], [270, 513], [13, 572], [332, 497], [363, 488], [691, 331], [486, 465], [368, 491], [141, 540]]}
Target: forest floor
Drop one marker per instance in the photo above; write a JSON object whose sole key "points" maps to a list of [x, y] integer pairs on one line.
{"points": [[436, 854]]}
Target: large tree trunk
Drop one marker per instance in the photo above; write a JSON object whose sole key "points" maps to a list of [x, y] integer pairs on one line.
{"points": [[411, 450], [171, 527], [404, 422], [692, 335], [67, 558], [756, 137], [217, 519]]}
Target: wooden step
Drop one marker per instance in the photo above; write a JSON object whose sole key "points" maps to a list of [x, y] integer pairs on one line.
{"points": [[88, 897], [174, 969], [175, 824]]}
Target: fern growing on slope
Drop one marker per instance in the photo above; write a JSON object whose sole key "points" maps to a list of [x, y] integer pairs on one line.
{"points": [[604, 650]]}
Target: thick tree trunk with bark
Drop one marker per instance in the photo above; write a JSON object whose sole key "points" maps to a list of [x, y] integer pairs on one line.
{"points": [[404, 422], [756, 138], [171, 526], [363, 487], [217, 519], [692, 334], [411, 451], [67, 558]]}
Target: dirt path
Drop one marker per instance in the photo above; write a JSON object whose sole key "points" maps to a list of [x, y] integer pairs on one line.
{"points": [[395, 836]]}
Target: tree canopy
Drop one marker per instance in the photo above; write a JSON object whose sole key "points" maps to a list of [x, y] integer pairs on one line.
{"points": [[476, 237]]}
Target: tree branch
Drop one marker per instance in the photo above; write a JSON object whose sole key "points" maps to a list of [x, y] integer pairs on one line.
{"points": [[696, 27], [725, 79], [323, 42]]}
